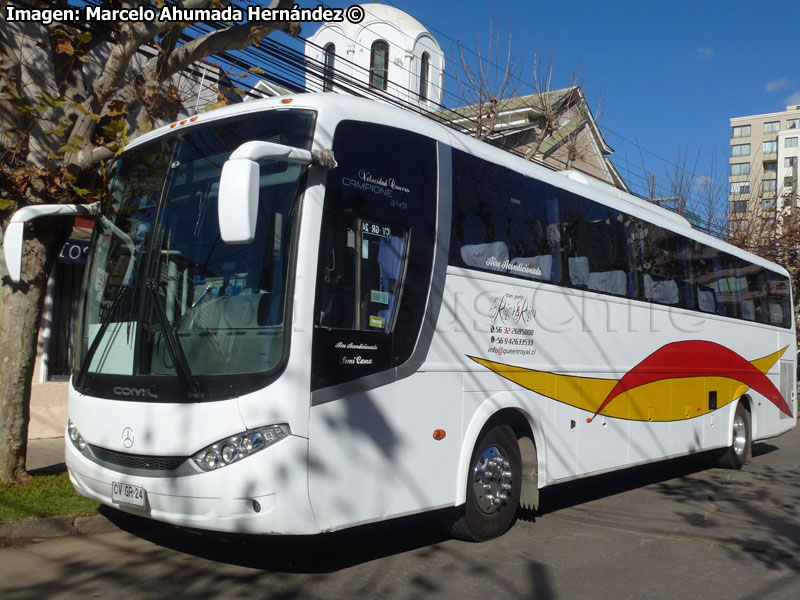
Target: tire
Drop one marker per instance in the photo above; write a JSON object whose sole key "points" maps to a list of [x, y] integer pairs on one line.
{"points": [[741, 440], [493, 487]]}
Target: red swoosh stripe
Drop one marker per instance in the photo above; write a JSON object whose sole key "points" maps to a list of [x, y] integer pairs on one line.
{"points": [[696, 358]]}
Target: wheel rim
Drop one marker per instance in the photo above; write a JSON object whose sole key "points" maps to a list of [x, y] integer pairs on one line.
{"points": [[739, 435], [492, 479]]}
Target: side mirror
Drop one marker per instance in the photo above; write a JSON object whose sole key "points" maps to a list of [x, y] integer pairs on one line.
{"points": [[12, 239], [12, 248], [239, 187]]}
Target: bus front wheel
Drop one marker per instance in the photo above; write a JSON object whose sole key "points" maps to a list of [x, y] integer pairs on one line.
{"points": [[736, 454], [493, 487]]}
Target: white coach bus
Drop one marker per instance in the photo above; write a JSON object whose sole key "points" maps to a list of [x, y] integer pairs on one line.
{"points": [[309, 313]]}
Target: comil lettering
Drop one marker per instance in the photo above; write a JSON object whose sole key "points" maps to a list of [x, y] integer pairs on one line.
{"points": [[141, 392]]}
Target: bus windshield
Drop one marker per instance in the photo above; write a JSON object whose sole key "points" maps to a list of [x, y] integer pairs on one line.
{"points": [[163, 294]]}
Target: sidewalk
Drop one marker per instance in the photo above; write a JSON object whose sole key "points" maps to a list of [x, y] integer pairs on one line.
{"points": [[47, 455]]}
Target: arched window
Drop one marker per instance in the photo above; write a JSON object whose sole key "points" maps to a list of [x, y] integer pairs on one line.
{"points": [[379, 65], [424, 68], [328, 69]]}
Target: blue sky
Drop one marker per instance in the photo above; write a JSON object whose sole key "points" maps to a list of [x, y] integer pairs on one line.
{"points": [[665, 76]]}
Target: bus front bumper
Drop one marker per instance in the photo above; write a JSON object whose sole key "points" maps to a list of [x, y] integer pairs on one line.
{"points": [[266, 493]]}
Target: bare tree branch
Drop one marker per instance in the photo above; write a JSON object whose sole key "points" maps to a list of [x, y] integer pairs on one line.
{"points": [[232, 38]]}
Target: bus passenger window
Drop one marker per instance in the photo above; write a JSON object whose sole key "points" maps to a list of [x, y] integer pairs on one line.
{"points": [[596, 239], [503, 221]]}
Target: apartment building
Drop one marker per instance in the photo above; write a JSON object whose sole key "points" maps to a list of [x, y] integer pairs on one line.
{"points": [[763, 169]]}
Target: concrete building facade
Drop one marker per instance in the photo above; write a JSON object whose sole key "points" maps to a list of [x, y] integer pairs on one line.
{"points": [[762, 175]]}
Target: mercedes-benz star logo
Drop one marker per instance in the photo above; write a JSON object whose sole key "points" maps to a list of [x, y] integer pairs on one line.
{"points": [[127, 437]]}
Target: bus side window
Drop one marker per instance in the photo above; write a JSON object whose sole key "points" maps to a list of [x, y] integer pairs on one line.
{"points": [[776, 291], [599, 255], [668, 278], [503, 222]]}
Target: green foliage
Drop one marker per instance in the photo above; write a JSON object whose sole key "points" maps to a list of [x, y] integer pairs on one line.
{"points": [[117, 127], [85, 111], [42, 496], [82, 192], [47, 101]]}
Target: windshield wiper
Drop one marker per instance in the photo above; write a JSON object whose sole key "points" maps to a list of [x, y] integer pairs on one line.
{"points": [[174, 345], [112, 311]]}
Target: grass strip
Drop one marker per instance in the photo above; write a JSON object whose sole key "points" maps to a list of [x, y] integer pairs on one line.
{"points": [[44, 495]]}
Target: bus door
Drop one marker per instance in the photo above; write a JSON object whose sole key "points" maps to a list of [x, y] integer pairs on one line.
{"points": [[372, 414]]}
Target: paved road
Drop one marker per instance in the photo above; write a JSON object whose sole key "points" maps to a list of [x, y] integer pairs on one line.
{"points": [[678, 530]]}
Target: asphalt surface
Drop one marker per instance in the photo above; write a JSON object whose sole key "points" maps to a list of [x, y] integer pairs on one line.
{"points": [[675, 530]]}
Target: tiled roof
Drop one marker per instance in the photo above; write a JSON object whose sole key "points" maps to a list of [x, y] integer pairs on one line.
{"points": [[516, 103]]}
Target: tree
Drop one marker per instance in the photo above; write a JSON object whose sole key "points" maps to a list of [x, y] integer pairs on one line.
{"points": [[493, 88], [767, 223], [514, 107], [486, 85], [71, 95]]}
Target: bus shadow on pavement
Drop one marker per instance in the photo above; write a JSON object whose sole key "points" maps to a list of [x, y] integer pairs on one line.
{"points": [[581, 491], [762, 448], [321, 553], [55, 469]]}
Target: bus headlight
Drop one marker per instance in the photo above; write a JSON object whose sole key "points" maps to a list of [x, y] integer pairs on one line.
{"points": [[75, 436], [237, 447]]}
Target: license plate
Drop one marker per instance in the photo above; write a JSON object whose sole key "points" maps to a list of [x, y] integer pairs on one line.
{"points": [[125, 493]]}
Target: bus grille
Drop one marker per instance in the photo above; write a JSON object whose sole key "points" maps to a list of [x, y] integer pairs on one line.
{"points": [[138, 461]]}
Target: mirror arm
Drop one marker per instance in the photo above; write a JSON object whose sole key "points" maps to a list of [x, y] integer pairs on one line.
{"points": [[239, 184], [255, 150], [13, 237]]}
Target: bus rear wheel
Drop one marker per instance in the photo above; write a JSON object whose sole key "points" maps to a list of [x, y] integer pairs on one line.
{"points": [[741, 441], [493, 487]]}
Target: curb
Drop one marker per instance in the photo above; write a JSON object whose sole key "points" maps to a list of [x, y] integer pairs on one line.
{"points": [[52, 527]]}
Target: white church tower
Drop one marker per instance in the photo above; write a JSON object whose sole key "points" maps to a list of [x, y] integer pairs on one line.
{"points": [[389, 52]]}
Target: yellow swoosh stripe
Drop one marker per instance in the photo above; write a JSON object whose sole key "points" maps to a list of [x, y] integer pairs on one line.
{"points": [[664, 400]]}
